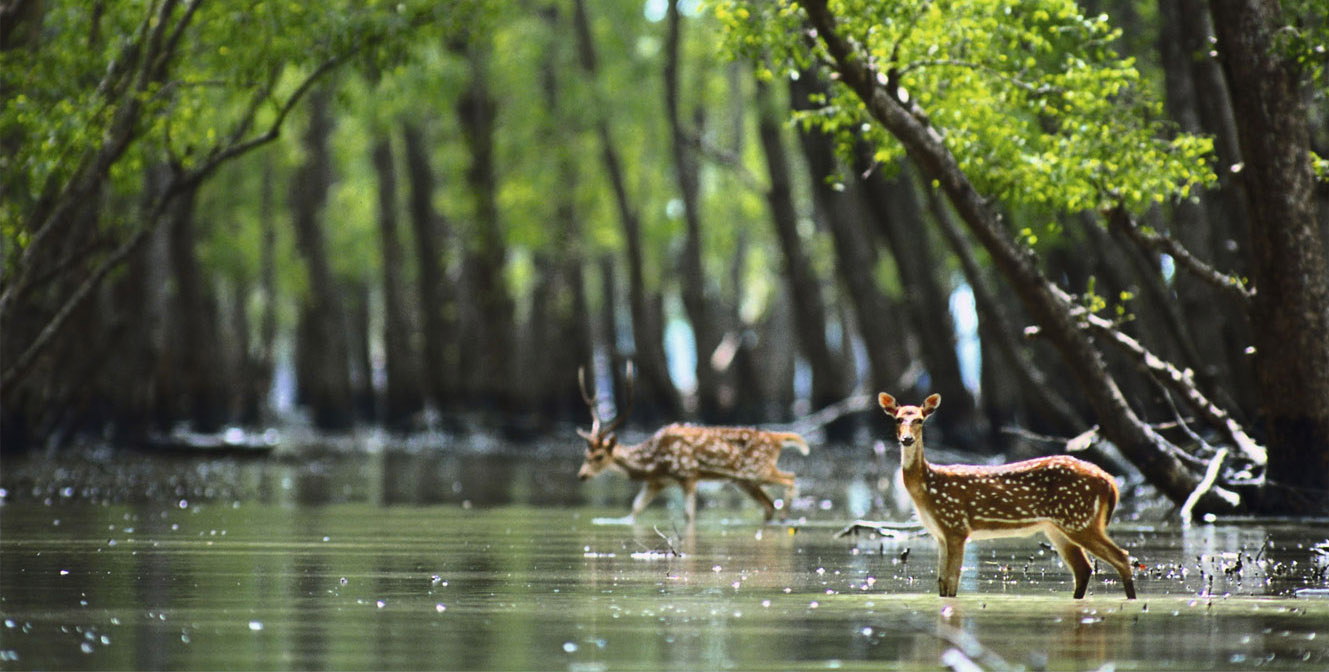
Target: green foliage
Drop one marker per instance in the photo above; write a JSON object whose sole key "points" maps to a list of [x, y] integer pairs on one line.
{"points": [[1030, 96]]}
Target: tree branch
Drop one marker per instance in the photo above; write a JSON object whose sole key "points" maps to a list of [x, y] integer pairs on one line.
{"points": [[1152, 240], [1179, 382]]}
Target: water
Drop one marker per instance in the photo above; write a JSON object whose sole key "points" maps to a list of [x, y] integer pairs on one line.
{"points": [[413, 559]]}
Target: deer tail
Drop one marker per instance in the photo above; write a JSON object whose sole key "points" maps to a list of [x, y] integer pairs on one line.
{"points": [[796, 441]]}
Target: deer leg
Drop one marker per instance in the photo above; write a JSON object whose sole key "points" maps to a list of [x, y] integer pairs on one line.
{"points": [[760, 495], [950, 561], [1073, 555], [649, 490], [690, 498], [1098, 543]]}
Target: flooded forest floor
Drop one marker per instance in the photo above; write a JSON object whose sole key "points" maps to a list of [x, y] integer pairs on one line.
{"points": [[474, 553]]}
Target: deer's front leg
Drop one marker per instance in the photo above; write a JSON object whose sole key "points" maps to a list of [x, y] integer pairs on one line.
{"points": [[950, 560], [649, 490], [690, 498]]}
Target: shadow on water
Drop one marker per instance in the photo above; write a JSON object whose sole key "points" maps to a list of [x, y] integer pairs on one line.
{"points": [[417, 557]]}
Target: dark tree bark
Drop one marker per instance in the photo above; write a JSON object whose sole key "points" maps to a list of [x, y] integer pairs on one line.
{"points": [[693, 279], [494, 331], [655, 390], [899, 218], [1156, 458], [402, 396], [829, 382], [363, 397], [997, 331], [1290, 310], [840, 203], [202, 379], [323, 377], [560, 338], [437, 309]]}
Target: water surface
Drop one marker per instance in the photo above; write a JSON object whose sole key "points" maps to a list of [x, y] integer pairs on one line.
{"points": [[422, 559]]}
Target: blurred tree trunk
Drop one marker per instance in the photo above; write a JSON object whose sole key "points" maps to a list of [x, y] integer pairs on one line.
{"points": [[655, 390], [265, 360], [829, 382], [402, 397], [492, 377], [1226, 225], [201, 392], [899, 219], [323, 358], [358, 341], [438, 311], [1290, 310], [560, 339], [705, 331], [840, 206]]}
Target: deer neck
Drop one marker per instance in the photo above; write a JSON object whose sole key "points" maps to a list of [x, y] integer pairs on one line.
{"points": [[633, 459], [913, 464]]}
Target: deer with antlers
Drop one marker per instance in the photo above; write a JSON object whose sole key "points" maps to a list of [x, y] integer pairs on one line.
{"points": [[686, 454], [1068, 500]]}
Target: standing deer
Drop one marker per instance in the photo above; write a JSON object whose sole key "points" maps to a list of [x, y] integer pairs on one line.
{"points": [[686, 454], [1068, 500]]}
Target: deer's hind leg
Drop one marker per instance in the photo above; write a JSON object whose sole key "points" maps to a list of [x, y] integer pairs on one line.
{"points": [[760, 495], [1097, 542]]}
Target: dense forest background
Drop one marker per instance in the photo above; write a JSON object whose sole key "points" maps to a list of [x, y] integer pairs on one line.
{"points": [[1098, 220]]}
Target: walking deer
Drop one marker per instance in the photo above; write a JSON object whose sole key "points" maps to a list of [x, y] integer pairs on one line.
{"points": [[1068, 500], [686, 454]]}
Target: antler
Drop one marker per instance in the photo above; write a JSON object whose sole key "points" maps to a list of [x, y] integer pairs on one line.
{"points": [[627, 409], [590, 400], [591, 403]]}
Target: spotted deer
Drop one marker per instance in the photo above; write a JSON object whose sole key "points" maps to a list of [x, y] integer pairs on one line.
{"points": [[686, 454], [1068, 500]]}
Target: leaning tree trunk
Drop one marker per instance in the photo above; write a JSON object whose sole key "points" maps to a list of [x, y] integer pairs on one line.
{"points": [[1290, 309], [1155, 457], [402, 397], [654, 387], [324, 379], [829, 383]]}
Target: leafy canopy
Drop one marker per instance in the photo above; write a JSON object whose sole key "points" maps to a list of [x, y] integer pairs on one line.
{"points": [[1029, 95]]}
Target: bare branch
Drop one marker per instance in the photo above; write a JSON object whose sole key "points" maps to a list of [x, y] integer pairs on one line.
{"points": [[1206, 483], [1153, 240], [1179, 382]]}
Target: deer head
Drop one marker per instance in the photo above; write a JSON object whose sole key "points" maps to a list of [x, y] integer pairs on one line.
{"points": [[908, 419], [600, 440]]}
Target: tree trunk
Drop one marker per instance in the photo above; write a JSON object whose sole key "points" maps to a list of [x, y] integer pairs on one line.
{"points": [[492, 382], [1290, 310], [998, 334], [402, 397], [1152, 454], [899, 218], [829, 382], [438, 311], [654, 387], [692, 277], [323, 376], [201, 393]]}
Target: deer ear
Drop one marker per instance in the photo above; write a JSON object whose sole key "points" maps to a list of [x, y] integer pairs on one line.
{"points": [[930, 404], [887, 403]]}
